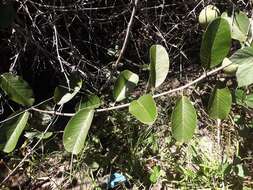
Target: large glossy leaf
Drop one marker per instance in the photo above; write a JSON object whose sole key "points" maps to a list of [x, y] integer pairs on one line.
{"points": [[183, 120], [159, 65], [17, 89], [90, 102], [244, 58], [220, 102], [63, 93], [11, 131], [144, 109], [7, 15], [125, 83], [239, 25], [216, 43], [76, 130]]}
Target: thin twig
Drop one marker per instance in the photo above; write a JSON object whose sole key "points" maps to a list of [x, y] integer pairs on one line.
{"points": [[203, 76], [28, 109], [129, 26], [52, 112], [59, 57]]}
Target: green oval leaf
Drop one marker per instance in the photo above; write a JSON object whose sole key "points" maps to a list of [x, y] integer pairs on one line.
{"points": [[144, 109], [239, 25], [90, 102], [125, 83], [76, 131], [216, 43], [244, 59], [11, 131], [7, 15], [159, 65], [183, 120], [17, 89], [220, 103], [63, 94], [249, 100]]}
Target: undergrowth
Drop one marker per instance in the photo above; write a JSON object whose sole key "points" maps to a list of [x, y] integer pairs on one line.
{"points": [[91, 34]]}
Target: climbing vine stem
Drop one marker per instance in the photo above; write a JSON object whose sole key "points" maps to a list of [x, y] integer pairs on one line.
{"points": [[197, 80]]}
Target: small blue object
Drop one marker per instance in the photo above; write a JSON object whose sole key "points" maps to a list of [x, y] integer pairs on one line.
{"points": [[115, 179]]}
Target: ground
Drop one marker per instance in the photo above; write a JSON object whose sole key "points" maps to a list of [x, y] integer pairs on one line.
{"points": [[146, 155]]}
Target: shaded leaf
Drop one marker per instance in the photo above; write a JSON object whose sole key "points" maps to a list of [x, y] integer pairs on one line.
{"points": [[220, 102], [240, 96], [159, 65], [144, 109], [7, 15], [90, 102], [11, 131], [215, 44], [38, 135], [244, 59], [17, 89], [239, 25], [249, 100], [243, 99], [183, 120], [125, 83], [63, 93], [76, 130]]}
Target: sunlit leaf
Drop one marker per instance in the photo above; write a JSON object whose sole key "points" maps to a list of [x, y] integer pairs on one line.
{"points": [[220, 102], [11, 131], [159, 65], [155, 174], [90, 102], [183, 120], [65, 93], [244, 59], [144, 109], [125, 83], [17, 89], [208, 14], [230, 68], [239, 25], [215, 44], [76, 130]]}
